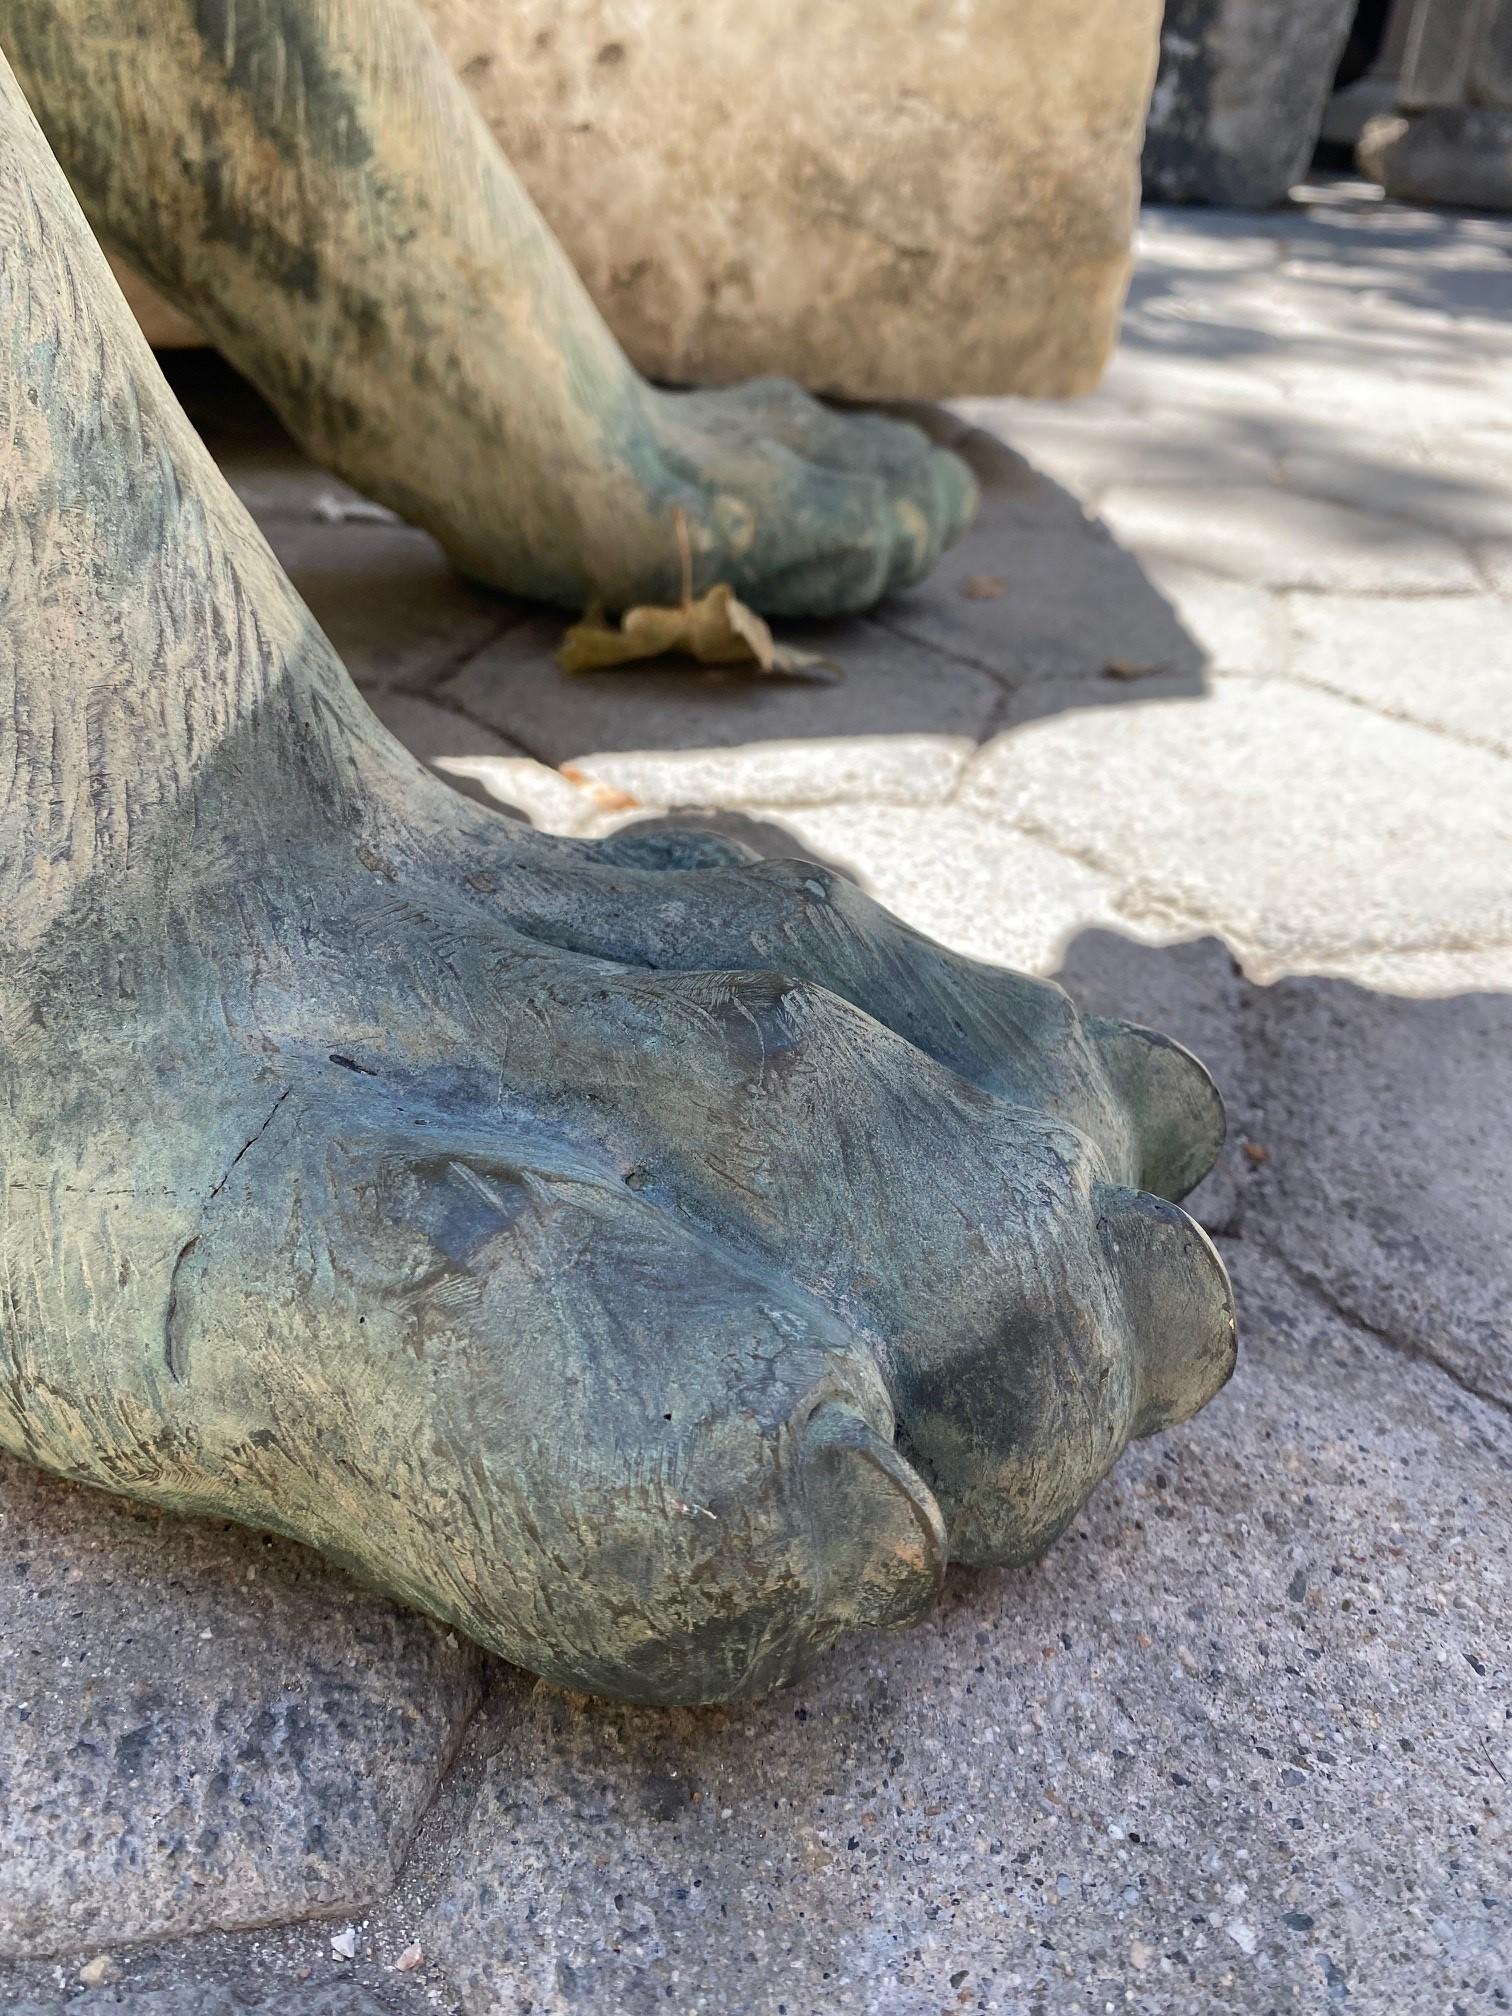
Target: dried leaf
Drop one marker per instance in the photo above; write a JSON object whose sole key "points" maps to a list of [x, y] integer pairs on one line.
{"points": [[409, 1960], [1121, 670], [984, 587], [716, 629]]}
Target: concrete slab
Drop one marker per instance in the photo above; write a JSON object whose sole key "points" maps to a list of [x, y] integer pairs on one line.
{"points": [[1388, 1164], [198, 1999], [200, 1727], [1272, 536], [1300, 827], [890, 688], [992, 894], [385, 596], [1443, 660]]}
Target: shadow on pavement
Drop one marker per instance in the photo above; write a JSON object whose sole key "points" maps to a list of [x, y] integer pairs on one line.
{"points": [[1038, 608]]}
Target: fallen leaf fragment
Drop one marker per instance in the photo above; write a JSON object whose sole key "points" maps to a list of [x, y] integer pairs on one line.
{"points": [[984, 587], [1255, 1152], [409, 1960], [1120, 669], [715, 629], [604, 796]]}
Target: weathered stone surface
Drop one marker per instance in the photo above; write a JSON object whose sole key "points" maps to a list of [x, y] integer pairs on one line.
{"points": [[1459, 155], [1366, 1143], [1240, 96], [674, 714], [1039, 588], [1236, 1744], [802, 214], [199, 1727], [202, 1999], [386, 597], [993, 895], [1197, 993], [1407, 834], [1454, 54], [1389, 1166], [1444, 660], [1271, 535]]}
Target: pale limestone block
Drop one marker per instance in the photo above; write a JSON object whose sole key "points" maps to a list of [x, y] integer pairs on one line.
{"points": [[928, 198]]}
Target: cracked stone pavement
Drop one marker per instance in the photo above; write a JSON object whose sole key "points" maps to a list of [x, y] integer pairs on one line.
{"points": [[1212, 714]]}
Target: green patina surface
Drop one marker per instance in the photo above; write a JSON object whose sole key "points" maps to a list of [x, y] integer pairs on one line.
{"points": [[655, 1262]]}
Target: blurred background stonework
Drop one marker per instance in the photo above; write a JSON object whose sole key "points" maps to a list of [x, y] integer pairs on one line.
{"points": [[1247, 88], [936, 199]]}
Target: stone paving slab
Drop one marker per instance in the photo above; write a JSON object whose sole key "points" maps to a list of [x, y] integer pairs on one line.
{"points": [[1283, 540], [1302, 827], [437, 735], [1458, 487], [200, 2000], [1368, 1144], [1107, 438], [892, 689], [1438, 661], [1348, 350], [1039, 588], [896, 772], [385, 596], [1389, 1165], [1237, 626], [200, 1726]]}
